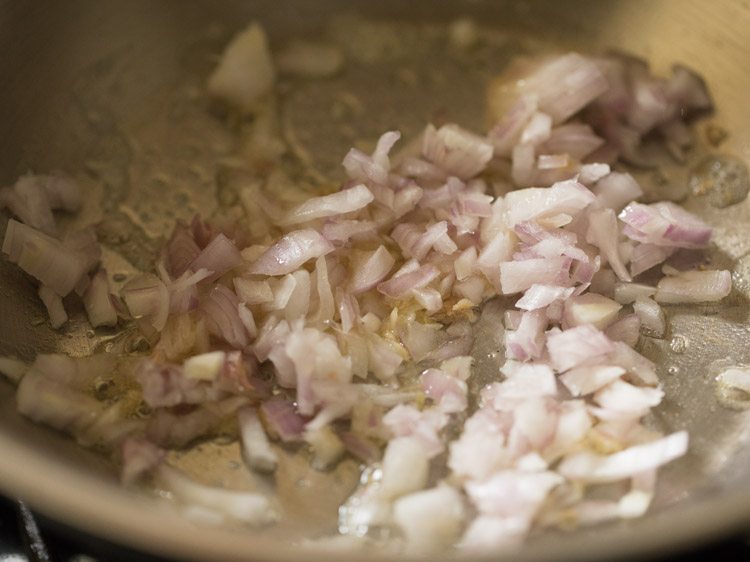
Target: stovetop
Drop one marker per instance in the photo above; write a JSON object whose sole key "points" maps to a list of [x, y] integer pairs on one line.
{"points": [[28, 537]]}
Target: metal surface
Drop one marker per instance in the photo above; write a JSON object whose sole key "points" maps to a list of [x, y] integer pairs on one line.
{"points": [[112, 92]]}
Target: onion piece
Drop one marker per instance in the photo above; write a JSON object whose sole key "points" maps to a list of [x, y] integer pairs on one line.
{"points": [[255, 446], [218, 257], [147, 297], [591, 309], [694, 287], [534, 203], [282, 419], [456, 150], [597, 468], [249, 507], [290, 252], [369, 268], [44, 258], [586, 380], [339, 203], [245, 72], [12, 369], [98, 305], [430, 519], [405, 466], [401, 285], [651, 317], [664, 224], [574, 346], [54, 305]]}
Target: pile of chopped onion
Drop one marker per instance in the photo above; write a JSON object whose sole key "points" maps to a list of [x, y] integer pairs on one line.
{"points": [[361, 304]]}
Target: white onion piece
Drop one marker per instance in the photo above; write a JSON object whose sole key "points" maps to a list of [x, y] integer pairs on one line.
{"points": [[44, 258], [372, 169], [55, 404], [326, 446], [405, 466], [339, 203], [626, 293], [565, 197], [616, 190], [205, 366], [694, 287], [591, 309], [249, 507], [147, 297], [577, 140], [98, 305], [565, 85], [504, 136], [651, 316], [431, 519], [537, 130], [487, 533], [639, 458], [13, 369], [604, 233], [512, 493], [664, 224], [218, 257], [448, 392], [517, 276], [421, 426], [627, 329], [646, 256], [734, 378], [252, 292], [369, 268], [589, 174], [572, 347], [290, 252], [245, 72], [527, 342], [619, 396], [459, 152], [180, 251], [54, 305], [552, 161], [586, 380], [401, 285], [29, 201]]}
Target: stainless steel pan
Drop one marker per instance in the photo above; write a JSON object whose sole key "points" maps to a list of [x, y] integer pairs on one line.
{"points": [[111, 92]]}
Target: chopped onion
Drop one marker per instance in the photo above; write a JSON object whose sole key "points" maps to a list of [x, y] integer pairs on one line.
{"points": [[651, 317], [245, 72], [282, 419], [13, 369], [290, 252], [218, 257], [430, 519], [54, 305], [572, 347], [596, 468], [694, 287], [339, 203], [256, 448], [456, 150], [44, 258], [97, 302]]}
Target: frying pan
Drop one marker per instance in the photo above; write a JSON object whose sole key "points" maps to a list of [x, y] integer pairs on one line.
{"points": [[112, 93]]}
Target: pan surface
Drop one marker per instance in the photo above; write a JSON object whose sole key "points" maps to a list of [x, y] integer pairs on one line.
{"points": [[112, 93]]}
